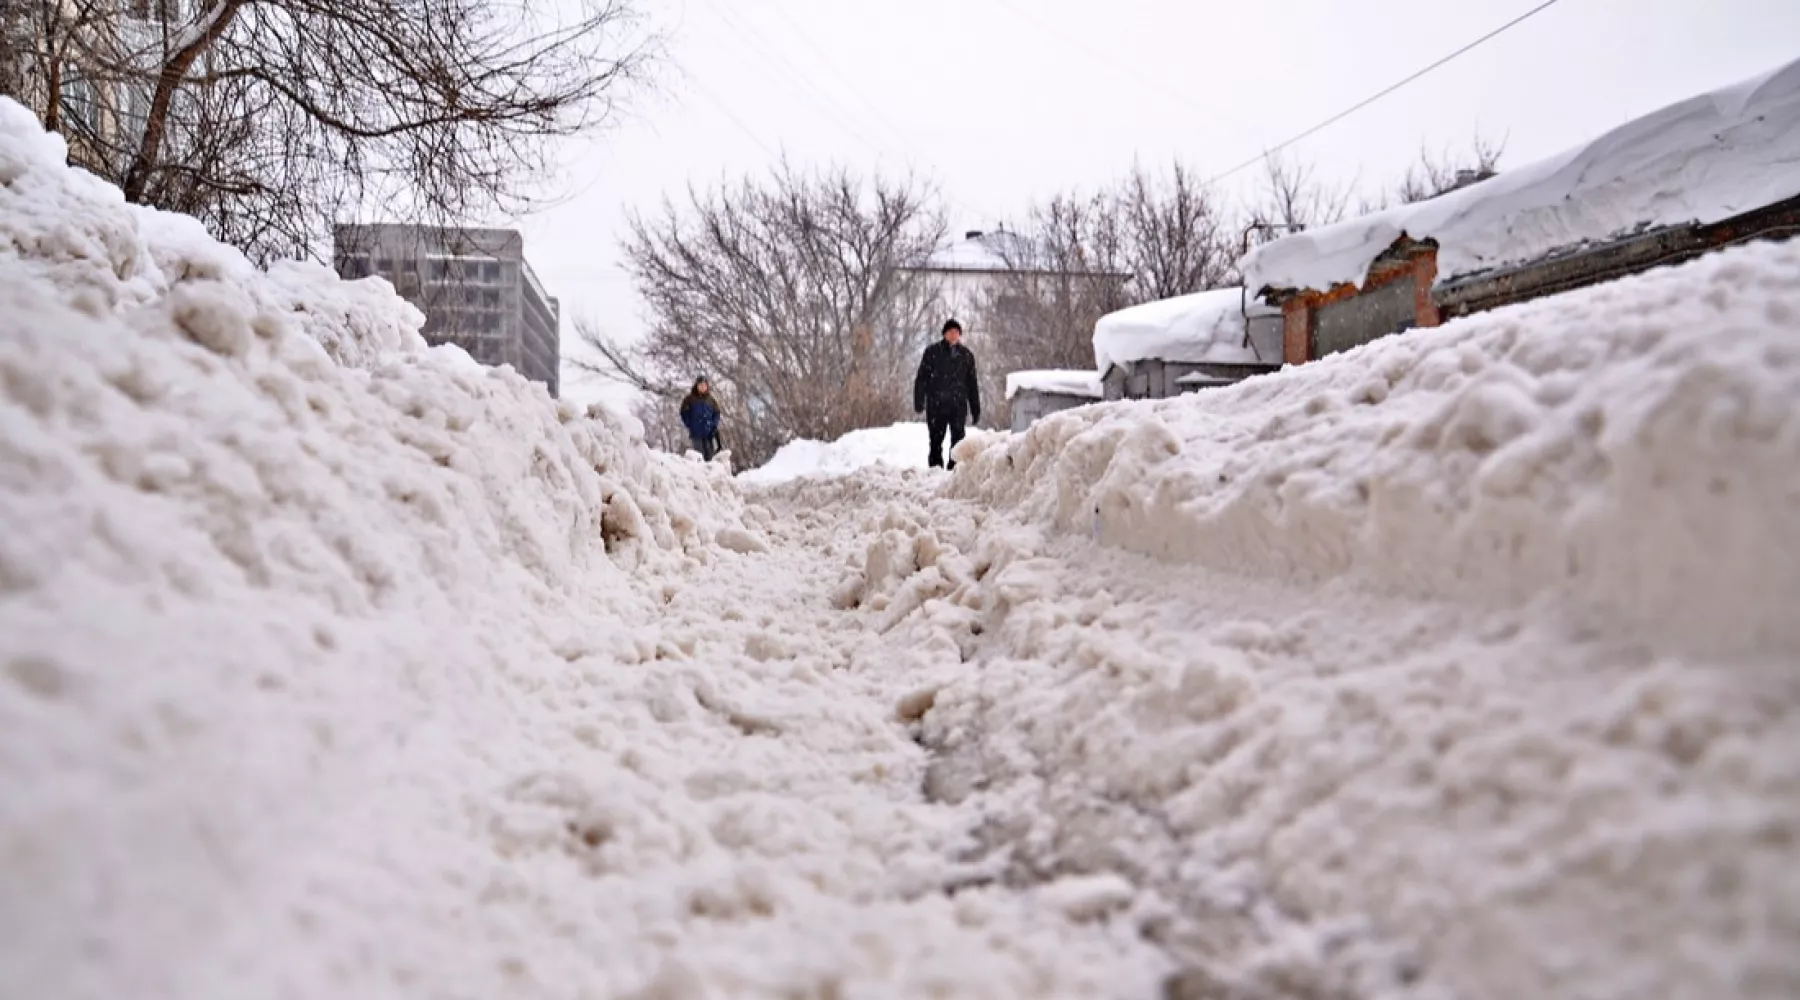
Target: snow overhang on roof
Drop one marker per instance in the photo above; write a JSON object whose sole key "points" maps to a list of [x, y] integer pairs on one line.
{"points": [[1702, 160], [1056, 381], [1190, 329]]}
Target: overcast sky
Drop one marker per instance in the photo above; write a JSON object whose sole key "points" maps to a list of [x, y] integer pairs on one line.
{"points": [[999, 102]]}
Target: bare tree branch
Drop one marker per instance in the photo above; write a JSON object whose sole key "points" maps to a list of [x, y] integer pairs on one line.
{"points": [[271, 119], [797, 296]]}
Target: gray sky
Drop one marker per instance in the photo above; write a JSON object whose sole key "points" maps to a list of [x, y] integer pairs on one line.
{"points": [[998, 102]]}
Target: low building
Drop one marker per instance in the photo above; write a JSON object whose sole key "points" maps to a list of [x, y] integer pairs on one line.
{"points": [[1694, 177], [1034, 395], [965, 274], [1190, 342], [474, 286]]}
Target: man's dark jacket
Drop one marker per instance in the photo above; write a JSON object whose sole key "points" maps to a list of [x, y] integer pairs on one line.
{"points": [[946, 383]]}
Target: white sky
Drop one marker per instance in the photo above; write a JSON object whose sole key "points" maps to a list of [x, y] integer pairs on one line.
{"points": [[999, 102]]}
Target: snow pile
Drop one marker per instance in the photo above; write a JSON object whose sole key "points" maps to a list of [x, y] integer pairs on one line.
{"points": [[1204, 326], [1700, 161], [1466, 666], [1318, 792], [899, 446], [1067, 383], [332, 667], [1635, 447]]}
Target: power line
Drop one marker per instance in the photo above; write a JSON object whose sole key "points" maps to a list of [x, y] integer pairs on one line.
{"points": [[1153, 85], [907, 145], [813, 93], [1358, 106]]}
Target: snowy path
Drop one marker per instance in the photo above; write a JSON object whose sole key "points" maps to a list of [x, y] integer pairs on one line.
{"points": [[786, 797], [1304, 791], [333, 664]]}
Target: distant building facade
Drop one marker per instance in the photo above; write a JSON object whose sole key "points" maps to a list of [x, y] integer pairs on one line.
{"points": [[474, 286]]}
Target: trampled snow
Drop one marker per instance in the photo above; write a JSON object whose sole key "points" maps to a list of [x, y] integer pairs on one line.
{"points": [[899, 446], [331, 667], [1456, 665], [1066, 382], [1699, 161], [1203, 326]]}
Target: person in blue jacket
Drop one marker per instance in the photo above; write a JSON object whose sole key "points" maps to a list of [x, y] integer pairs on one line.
{"points": [[700, 414]]}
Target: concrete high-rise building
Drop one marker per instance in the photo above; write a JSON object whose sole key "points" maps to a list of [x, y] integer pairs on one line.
{"points": [[473, 285]]}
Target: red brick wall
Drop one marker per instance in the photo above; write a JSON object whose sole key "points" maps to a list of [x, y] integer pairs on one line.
{"points": [[1297, 313], [1296, 331], [1424, 271]]}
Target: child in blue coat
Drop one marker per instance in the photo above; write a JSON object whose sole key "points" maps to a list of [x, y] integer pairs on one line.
{"points": [[700, 415]]}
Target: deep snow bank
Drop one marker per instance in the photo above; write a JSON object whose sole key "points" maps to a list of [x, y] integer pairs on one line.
{"points": [[1634, 448], [1323, 792], [274, 583]]}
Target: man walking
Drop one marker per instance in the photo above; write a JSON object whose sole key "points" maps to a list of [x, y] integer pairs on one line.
{"points": [[945, 392]]}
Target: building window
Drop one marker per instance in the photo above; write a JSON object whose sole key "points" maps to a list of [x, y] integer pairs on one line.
{"points": [[80, 100]]}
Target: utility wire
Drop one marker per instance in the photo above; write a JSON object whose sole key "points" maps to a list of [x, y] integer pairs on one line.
{"points": [[820, 97], [907, 146], [1153, 85], [1365, 102]]}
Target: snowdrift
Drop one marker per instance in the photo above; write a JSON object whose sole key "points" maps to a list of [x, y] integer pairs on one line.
{"points": [[900, 446], [276, 584], [1701, 160], [1634, 448], [1464, 666]]}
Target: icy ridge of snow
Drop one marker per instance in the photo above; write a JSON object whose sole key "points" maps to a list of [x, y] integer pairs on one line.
{"points": [[1066, 382], [1697, 161], [1633, 447], [1203, 326]]}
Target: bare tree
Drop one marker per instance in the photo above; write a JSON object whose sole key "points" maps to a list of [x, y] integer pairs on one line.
{"points": [[1294, 197], [268, 119], [1177, 238], [1078, 258], [1435, 175], [662, 423], [797, 296]]}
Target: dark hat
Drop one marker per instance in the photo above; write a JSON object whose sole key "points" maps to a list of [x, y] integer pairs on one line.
{"points": [[952, 325]]}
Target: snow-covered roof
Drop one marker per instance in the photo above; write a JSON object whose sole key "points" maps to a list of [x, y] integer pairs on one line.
{"points": [[1068, 383], [1702, 160], [1204, 326], [996, 251]]}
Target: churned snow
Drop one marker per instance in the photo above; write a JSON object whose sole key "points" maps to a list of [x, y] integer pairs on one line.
{"points": [[1203, 326], [1456, 665], [1068, 383], [330, 667], [900, 446], [1702, 160]]}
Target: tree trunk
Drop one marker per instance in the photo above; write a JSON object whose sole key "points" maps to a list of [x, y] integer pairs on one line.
{"points": [[208, 28]]}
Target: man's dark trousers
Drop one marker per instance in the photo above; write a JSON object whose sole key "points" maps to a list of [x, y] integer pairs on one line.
{"points": [[936, 424]]}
